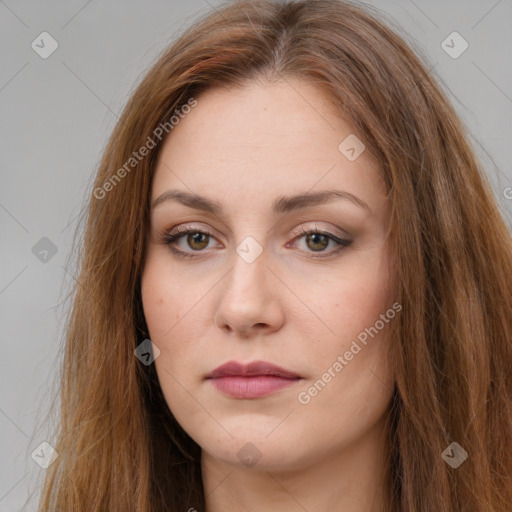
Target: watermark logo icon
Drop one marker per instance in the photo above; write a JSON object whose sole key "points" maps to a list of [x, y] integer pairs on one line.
{"points": [[249, 455], [44, 455], [351, 147], [44, 250], [249, 249], [454, 455], [44, 45], [454, 45], [146, 352]]}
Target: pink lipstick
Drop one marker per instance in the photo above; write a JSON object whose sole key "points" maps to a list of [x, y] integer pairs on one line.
{"points": [[254, 380]]}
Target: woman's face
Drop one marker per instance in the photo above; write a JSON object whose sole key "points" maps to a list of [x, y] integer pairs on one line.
{"points": [[246, 284]]}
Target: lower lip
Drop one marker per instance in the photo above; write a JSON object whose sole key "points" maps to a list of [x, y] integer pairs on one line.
{"points": [[251, 387]]}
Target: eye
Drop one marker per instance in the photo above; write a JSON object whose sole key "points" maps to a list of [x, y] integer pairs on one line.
{"points": [[318, 240], [198, 240]]}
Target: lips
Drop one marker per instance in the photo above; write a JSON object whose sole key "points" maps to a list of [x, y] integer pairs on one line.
{"points": [[253, 369], [254, 380]]}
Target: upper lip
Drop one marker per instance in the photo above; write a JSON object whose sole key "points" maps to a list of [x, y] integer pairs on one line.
{"points": [[254, 368]]}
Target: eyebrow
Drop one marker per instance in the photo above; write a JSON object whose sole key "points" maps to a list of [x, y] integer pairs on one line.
{"points": [[283, 204]]}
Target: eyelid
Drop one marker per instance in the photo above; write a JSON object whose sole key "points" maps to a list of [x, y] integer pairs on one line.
{"points": [[187, 228], [340, 233]]}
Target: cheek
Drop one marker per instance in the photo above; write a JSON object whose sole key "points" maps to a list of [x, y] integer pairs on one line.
{"points": [[173, 323], [163, 310], [161, 300], [356, 302]]}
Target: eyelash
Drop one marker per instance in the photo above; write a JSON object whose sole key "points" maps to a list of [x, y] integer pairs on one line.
{"points": [[170, 238]]}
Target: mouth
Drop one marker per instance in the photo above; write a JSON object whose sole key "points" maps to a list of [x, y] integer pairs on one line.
{"points": [[254, 380]]}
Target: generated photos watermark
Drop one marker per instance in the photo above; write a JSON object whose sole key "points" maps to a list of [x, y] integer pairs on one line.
{"points": [[143, 151], [304, 397]]}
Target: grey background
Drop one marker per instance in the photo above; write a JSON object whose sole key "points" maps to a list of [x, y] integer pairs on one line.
{"points": [[58, 112]]}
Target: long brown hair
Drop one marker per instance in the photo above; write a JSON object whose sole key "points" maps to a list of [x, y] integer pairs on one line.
{"points": [[120, 448]]}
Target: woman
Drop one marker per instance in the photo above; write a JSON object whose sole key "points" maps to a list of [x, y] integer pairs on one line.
{"points": [[294, 286]]}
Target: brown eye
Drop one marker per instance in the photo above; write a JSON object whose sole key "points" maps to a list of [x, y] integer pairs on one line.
{"points": [[318, 241], [197, 240], [192, 242]]}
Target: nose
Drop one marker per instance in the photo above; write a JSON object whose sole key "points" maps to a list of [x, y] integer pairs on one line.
{"points": [[249, 299]]}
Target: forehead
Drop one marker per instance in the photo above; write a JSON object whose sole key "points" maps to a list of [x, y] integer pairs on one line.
{"points": [[264, 140]]}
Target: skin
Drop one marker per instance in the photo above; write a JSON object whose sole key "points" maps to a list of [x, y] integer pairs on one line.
{"points": [[244, 148]]}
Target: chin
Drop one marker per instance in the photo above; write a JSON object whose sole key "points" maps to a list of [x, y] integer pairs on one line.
{"points": [[259, 452]]}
